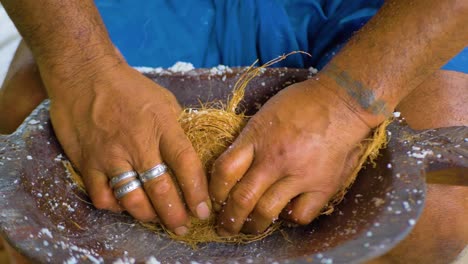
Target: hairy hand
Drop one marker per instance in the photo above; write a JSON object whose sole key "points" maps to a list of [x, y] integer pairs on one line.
{"points": [[117, 120], [292, 157]]}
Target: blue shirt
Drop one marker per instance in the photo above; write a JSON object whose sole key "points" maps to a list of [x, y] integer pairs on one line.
{"points": [[158, 33]]}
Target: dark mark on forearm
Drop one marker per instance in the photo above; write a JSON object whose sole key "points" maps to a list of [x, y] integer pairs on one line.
{"points": [[363, 95]]}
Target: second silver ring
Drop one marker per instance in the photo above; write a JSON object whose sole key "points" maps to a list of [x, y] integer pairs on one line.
{"points": [[153, 173], [121, 177]]}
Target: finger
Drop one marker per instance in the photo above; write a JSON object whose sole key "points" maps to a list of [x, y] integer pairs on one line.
{"points": [[168, 204], [350, 165], [306, 207], [66, 135], [162, 190], [243, 199], [136, 202], [270, 205], [97, 186], [138, 205], [228, 169], [179, 154]]}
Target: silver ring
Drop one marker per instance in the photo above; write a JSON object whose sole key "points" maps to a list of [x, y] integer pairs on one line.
{"points": [[127, 188], [153, 173], [123, 176]]}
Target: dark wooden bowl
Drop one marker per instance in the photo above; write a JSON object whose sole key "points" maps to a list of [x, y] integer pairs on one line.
{"points": [[46, 218]]}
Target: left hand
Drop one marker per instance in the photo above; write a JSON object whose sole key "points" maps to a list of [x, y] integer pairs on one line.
{"points": [[293, 155]]}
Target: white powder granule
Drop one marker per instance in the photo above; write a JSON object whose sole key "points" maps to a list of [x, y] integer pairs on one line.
{"points": [[313, 70], [152, 260], [220, 70], [143, 69], [181, 66], [46, 232], [34, 122]]}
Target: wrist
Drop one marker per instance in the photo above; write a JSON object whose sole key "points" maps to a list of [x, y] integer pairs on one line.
{"points": [[62, 76], [339, 115], [364, 101], [68, 60]]}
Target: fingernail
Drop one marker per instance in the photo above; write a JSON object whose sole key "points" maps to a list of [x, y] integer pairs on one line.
{"points": [[181, 230], [203, 211]]}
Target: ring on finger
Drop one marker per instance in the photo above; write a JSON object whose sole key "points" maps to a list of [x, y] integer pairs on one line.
{"points": [[121, 177], [153, 173], [127, 188]]}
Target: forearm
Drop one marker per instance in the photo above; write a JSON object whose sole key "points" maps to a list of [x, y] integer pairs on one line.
{"points": [[399, 48], [64, 36], [21, 92]]}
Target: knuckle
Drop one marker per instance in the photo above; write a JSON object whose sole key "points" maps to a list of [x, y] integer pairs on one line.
{"points": [[256, 125], [223, 167], [103, 202], [184, 154], [244, 197], [158, 188], [174, 219], [133, 200], [266, 210]]}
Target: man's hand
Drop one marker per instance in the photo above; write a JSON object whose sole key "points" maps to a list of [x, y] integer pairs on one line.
{"points": [[294, 154], [110, 120], [108, 117]]}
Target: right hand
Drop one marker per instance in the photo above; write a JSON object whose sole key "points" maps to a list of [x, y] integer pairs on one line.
{"points": [[112, 119]]}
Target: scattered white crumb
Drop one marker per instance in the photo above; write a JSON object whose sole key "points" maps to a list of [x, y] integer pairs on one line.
{"points": [[422, 154], [92, 258], [148, 69], [34, 122], [58, 158], [28, 157], [152, 260], [71, 260], [396, 114], [378, 201], [313, 70], [181, 66], [46, 232], [412, 222], [220, 70]]}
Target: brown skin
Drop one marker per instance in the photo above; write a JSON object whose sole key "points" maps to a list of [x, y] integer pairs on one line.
{"points": [[442, 230], [348, 104], [290, 156], [108, 117], [22, 90]]}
